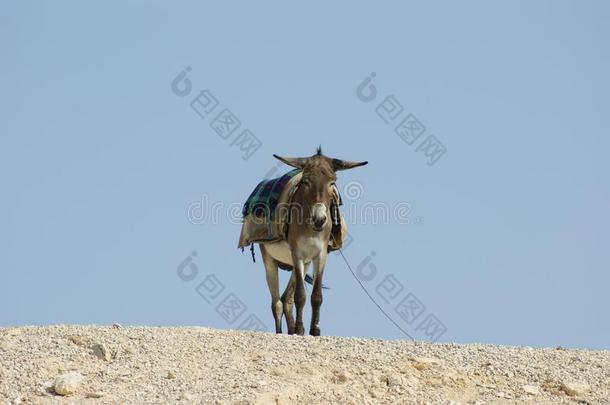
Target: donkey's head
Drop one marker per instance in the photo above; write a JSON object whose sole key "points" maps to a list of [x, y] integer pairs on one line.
{"points": [[317, 184]]}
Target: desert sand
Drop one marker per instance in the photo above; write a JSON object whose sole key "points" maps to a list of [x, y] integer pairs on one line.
{"points": [[116, 364]]}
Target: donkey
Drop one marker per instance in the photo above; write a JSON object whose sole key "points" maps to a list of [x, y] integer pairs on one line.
{"points": [[306, 241]]}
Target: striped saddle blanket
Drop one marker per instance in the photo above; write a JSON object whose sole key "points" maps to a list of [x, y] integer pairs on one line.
{"points": [[266, 196]]}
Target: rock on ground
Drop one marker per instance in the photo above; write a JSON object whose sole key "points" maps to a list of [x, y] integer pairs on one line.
{"points": [[575, 388], [136, 365], [68, 383]]}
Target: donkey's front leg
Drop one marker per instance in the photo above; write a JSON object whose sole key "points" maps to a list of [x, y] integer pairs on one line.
{"points": [[299, 293], [316, 295]]}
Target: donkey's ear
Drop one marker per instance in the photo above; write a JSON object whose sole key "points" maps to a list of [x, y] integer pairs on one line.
{"points": [[339, 164], [299, 163]]}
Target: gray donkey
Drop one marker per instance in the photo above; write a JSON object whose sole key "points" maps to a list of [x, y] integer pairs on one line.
{"points": [[307, 240]]}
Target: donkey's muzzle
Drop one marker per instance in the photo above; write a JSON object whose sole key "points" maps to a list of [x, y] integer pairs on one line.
{"points": [[318, 217], [318, 224]]}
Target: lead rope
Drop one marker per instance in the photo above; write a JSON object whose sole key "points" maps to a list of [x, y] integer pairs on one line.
{"points": [[369, 295]]}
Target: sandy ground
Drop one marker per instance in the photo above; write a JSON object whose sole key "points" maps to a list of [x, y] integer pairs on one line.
{"points": [[114, 364]]}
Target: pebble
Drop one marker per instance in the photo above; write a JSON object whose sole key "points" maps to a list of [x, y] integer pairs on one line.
{"points": [[78, 340], [68, 383], [531, 389], [341, 376], [101, 352], [423, 363], [575, 388], [393, 380], [185, 396]]}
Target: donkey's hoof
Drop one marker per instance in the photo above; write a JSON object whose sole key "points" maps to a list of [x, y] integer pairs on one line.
{"points": [[290, 325], [314, 331], [300, 330]]}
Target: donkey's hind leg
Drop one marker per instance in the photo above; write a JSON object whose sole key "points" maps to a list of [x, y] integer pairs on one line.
{"points": [[288, 302], [271, 267]]}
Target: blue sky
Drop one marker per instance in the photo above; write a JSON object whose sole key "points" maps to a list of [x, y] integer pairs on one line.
{"points": [[100, 161]]}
